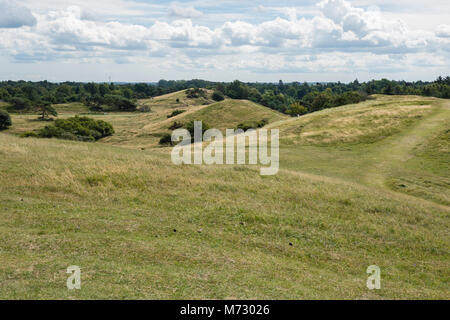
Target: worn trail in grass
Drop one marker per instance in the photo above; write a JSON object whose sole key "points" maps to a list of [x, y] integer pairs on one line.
{"points": [[141, 227], [390, 156]]}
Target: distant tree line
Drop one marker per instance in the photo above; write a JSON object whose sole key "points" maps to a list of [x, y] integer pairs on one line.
{"points": [[298, 98], [293, 98]]}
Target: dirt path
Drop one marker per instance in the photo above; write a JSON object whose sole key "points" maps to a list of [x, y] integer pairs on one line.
{"points": [[396, 150]]}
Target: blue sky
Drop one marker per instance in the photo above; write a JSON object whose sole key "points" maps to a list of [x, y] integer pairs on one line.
{"points": [[138, 40]]}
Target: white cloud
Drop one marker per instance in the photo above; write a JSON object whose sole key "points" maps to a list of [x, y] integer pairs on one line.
{"points": [[177, 10], [443, 31], [338, 37], [13, 15]]}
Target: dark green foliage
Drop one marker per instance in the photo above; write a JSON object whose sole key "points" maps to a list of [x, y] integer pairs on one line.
{"points": [[196, 93], [18, 104], [190, 127], [316, 101], [296, 109], [24, 96], [119, 103], [5, 120], [252, 124], [218, 96], [237, 90], [46, 109], [175, 113], [166, 139], [77, 128]]}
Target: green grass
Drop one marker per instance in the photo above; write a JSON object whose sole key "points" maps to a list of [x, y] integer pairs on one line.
{"points": [[228, 114], [113, 211], [3, 105]]}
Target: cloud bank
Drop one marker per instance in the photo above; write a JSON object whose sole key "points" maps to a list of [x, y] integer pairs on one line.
{"points": [[13, 15], [340, 37]]}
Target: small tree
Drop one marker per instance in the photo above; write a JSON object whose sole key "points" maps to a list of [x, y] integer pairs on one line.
{"points": [[296, 109], [46, 110], [5, 120]]}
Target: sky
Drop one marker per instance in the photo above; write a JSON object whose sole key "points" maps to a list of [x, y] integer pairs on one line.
{"points": [[255, 41]]}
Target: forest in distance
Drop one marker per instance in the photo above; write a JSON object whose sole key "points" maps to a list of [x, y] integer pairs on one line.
{"points": [[294, 98]]}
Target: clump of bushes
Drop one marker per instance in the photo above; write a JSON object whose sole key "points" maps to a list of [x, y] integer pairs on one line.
{"points": [[252, 124], [175, 113], [18, 104], [120, 103], [196, 93], [5, 120], [76, 128], [218, 96]]}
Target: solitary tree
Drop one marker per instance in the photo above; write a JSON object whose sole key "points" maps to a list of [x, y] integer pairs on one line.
{"points": [[46, 110]]}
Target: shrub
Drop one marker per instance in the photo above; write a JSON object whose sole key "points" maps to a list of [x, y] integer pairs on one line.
{"points": [[218, 96], [18, 104], [77, 128], [176, 125], [195, 93], [5, 120], [120, 103], [175, 113], [166, 139], [252, 124], [190, 127]]}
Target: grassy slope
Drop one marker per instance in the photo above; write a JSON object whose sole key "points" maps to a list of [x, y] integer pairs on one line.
{"points": [[169, 101], [113, 212], [222, 115], [356, 147], [143, 130]]}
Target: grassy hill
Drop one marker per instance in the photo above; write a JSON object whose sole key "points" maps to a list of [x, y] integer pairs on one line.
{"points": [[176, 100], [223, 115], [141, 227]]}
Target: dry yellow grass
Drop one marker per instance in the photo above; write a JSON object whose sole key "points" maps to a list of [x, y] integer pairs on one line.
{"points": [[364, 122]]}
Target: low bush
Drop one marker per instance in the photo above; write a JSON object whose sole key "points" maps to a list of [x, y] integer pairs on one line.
{"points": [[166, 139], [218, 96], [175, 113], [5, 120], [196, 93], [252, 124], [176, 125], [76, 128]]}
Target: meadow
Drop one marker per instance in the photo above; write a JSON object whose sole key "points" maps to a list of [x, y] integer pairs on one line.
{"points": [[359, 185]]}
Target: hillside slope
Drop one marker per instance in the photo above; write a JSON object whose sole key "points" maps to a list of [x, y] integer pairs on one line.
{"points": [[222, 115], [141, 227], [392, 142], [358, 185]]}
